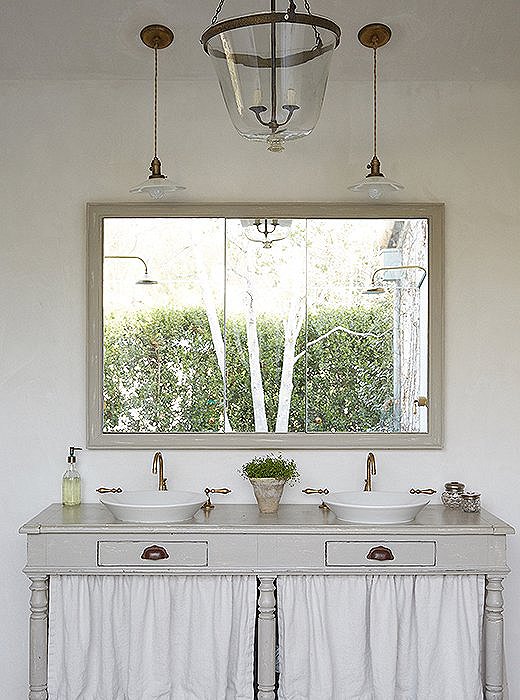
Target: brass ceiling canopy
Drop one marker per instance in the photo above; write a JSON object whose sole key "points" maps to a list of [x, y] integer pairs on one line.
{"points": [[374, 36], [156, 37], [272, 84]]}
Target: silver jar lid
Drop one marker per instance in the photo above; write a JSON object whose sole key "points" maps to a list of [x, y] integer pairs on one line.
{"points": [[471, 495], [454, 486]]}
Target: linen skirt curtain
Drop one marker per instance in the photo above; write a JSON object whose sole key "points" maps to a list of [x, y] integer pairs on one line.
{"points": [[151, 637], [380, 637]]}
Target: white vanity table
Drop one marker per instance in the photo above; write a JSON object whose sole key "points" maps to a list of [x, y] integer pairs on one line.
{"points": [[237, 539]]}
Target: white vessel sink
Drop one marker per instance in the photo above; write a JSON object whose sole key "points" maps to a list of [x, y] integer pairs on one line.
{"points": [[153, 506], [375, 507]]}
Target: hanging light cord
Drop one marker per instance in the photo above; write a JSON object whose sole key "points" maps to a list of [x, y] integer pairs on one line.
{"points": [[155, 103], [375, 101]]}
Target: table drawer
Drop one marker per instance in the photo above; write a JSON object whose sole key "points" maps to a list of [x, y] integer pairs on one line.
{"points": [[377, 553], [152, 553]]}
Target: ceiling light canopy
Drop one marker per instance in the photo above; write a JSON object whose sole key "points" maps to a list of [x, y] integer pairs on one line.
{"points": [[156, 36], [375, 184], [272, 68]]}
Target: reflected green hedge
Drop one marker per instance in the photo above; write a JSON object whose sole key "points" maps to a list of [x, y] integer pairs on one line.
{"points": [[161, 373]]}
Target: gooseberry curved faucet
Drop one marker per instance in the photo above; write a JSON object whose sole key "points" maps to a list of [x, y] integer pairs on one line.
{"points": [[158, 467]]}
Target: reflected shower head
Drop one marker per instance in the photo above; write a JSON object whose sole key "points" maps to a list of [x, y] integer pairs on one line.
{"points": [[375, 290], [146, 279]]}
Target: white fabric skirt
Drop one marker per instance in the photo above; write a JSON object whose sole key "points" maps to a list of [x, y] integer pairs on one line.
{"points": [[380, 637], [151, 637]]}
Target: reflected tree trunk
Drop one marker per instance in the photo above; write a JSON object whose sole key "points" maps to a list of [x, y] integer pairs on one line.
{"points": [[293, 327], [253, 348], [211, 313]]}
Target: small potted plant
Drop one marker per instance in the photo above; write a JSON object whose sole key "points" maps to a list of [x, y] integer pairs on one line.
{"points": [[268, 475]]}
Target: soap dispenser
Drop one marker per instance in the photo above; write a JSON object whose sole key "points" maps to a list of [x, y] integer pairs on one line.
{"points": [[71, 482]]}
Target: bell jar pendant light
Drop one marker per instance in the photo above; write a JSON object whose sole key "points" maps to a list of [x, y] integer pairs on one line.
{"points": [[375, 184], [156, 36], [266, 231], [272, 68]]}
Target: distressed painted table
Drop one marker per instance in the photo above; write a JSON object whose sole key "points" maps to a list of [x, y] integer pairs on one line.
{"points": [[237, 539]]}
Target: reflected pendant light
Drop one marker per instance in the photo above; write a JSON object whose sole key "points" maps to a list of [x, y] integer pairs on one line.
{"points": [[272, 68], [266, 231], [375, 184], [145, 279], [156, 36]]}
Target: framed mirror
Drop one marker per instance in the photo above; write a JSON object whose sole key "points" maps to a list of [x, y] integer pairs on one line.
{"points": [[265, 326]]}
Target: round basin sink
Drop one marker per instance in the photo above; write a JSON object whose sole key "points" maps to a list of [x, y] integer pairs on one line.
{"points": [[376, 507], [153, 506]]}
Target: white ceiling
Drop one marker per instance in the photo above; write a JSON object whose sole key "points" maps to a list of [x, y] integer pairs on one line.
{"points": [[98, 39]]}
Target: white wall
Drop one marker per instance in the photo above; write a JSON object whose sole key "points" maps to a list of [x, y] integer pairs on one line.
{"points": [[63, 144]]}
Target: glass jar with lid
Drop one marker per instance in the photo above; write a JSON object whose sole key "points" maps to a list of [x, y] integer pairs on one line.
{"points": [[470, 502], [452, 496]]}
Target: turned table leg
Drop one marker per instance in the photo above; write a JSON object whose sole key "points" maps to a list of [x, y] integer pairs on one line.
{"points": [[38, 629], [494, 638], [266, 639]]}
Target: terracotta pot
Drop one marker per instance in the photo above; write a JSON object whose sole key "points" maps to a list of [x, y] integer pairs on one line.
{"points": [[268, 493]]}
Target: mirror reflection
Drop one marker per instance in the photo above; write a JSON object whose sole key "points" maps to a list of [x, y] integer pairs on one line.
{"points": [[217, 325]]}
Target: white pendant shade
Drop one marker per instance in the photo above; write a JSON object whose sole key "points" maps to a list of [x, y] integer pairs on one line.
{"points": [[376, 186], [156, 187]]}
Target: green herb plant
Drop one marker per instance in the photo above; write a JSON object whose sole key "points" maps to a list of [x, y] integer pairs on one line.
{"points": [[271, 467]]}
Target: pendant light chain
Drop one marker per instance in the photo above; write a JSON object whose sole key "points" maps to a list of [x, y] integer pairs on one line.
{"points": [[217, 11], [317, 35]]}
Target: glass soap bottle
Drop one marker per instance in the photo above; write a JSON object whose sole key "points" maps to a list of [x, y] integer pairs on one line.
{"points": [[71, 482], [452, 496]]}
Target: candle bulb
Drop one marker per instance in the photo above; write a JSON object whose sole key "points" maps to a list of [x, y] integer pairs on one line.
{"points": [[257, 97], [291, 96]]}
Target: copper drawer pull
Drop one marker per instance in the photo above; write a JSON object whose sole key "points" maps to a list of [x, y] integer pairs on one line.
{"points": [[380, 554], [154, 553]]}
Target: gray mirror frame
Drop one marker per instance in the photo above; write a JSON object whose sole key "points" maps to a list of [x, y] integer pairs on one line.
{"points": [[96, 213]]}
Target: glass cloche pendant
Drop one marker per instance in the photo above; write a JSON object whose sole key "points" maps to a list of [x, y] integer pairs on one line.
{"points": [[272, 68]]}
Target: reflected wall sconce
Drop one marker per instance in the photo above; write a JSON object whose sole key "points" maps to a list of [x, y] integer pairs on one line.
{"points": [[374, 289], [268, 231], [375, 184], [156, 36], [145, 279], [272, 68]]}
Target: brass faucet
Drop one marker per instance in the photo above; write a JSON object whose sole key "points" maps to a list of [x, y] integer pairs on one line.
{"points": [[159, 462], [371, 470]]}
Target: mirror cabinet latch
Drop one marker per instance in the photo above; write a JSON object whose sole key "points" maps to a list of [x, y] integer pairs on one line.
{"points": [[419, 402]]}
